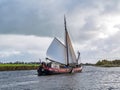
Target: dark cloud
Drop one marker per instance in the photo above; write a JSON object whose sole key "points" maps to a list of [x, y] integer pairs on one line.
{"points": [[37, 17], [28, 17]]}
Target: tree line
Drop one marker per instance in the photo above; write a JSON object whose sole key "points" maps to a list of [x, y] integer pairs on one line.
{"points": [[108, 63]]}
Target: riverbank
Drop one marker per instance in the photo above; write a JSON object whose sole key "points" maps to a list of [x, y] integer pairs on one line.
{"points": [[106, 63], [12, 67]]}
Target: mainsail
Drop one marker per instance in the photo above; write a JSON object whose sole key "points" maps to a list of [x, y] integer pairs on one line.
{"points": [[57, 51], [61, 53], [71, 57], [71, 53]]}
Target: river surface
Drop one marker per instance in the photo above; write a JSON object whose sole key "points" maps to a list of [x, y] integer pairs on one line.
{"points": [[91, 78]]}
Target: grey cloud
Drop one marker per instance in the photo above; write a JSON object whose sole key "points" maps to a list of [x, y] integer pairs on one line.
{"points": [[91, 24], [37, 17], [18, 17], [117, 26], [89, 29], [107, 47], [111, 7], [23, 57], [43, 18]]}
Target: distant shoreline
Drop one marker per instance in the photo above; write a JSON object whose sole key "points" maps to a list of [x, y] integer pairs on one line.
{"points": [[13, 67], [107, 63], [102, 65]]}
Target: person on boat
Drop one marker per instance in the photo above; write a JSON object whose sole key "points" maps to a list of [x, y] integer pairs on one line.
{"points": [[49, 64], [42, 68], [44, 65]]}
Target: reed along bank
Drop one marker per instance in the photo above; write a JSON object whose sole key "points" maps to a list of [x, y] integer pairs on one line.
{"points": [[12, 67]]}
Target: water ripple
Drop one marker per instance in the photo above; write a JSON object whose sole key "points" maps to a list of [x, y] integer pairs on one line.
{"points": [[91, 78]]}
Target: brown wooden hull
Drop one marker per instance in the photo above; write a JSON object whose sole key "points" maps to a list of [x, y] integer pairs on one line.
{"points": [[52, 71]]}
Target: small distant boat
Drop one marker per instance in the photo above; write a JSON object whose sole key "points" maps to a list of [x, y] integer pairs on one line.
{"points": [[61, 56]]}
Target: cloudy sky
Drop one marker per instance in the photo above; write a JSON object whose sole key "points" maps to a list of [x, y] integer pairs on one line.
{"points": [[27, 28]]}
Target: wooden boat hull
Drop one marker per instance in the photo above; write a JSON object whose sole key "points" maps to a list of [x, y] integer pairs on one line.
{"points": [[52, 71]]}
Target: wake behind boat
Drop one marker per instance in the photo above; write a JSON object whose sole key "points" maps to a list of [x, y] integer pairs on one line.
{"points": [[61, 56]]}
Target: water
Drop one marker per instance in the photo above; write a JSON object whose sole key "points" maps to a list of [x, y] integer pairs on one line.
{"points": [[91, 78]]}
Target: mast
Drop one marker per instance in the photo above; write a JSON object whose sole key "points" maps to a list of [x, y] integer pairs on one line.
{"points": [[66, 40]]}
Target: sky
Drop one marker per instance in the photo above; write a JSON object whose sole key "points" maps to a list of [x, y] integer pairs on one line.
{"points": [[27, 28]]}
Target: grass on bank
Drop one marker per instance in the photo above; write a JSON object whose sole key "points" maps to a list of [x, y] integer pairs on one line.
{"points": [[8, 67], [1, 65]]}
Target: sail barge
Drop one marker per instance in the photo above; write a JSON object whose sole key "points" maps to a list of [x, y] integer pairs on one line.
{"points": [[61, 56]]}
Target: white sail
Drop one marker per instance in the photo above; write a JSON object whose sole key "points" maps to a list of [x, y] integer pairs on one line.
{"points": [[71, 53], [61, 53], [57, 51]]}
